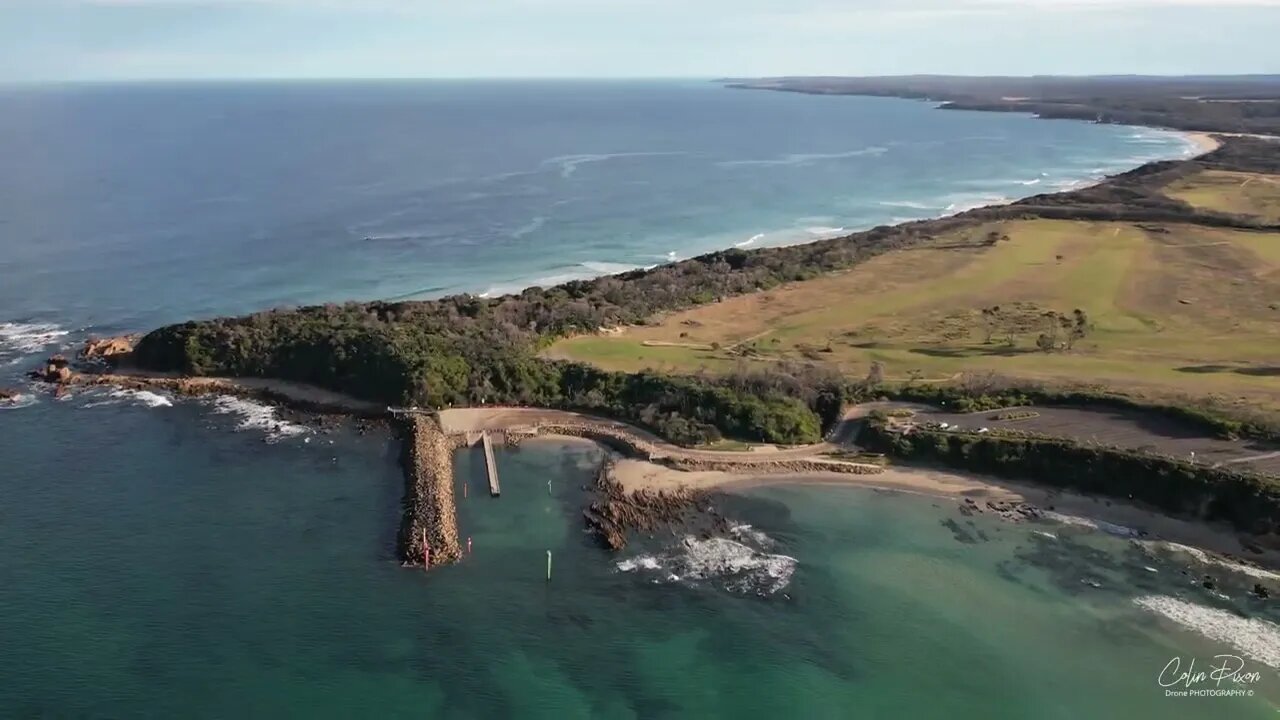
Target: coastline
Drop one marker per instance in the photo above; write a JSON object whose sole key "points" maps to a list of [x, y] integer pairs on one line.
{"points": [[1203, 142], [647, 476], [1155, 526]]}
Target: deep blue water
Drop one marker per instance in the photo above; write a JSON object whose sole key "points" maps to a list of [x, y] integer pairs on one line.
{"points": [[201, 558], [126, 207]]}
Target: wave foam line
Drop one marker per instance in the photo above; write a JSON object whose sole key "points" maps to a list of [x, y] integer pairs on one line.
{"points": [[569, 164], [1106, 527], [1207, 559], [909, 204], [28, 338], [256, 416], [120, 396], [1256, 638], [805, 158], [530, 227], [739, 567]]}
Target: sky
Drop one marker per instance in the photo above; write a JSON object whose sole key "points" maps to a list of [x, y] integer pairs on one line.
{"points": [[92, 40]]}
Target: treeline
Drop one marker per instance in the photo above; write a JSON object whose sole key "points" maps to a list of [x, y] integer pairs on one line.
{"points": [[1249, 503], [468, 350]]}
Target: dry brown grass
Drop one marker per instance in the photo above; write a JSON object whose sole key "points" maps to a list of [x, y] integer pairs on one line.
{"points": [[1174, 308]]}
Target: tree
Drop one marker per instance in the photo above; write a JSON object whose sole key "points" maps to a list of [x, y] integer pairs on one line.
{"points": [[875, 376], [1048, 340], [1079, 327], [990, 321]]}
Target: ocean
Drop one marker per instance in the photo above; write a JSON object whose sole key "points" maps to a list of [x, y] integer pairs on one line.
{"points": [[164, 557]]}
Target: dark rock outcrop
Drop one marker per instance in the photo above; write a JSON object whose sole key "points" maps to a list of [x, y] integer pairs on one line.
{"points": [[616, 512], [55, 370]]}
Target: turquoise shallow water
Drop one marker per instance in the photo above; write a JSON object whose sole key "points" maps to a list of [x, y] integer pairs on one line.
{"points": [[228, 577], [165, 558]]}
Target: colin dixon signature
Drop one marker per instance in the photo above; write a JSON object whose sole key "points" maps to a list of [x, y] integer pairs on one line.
{"points": [[1224, 676]]}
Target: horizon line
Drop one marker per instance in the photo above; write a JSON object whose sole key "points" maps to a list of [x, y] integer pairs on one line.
{"points": [[599, 78]]}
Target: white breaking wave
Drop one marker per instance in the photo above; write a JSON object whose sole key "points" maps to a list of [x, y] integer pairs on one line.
{"points": [[750, 241], [24, 399], [586, 270], [1256, 638], [913, 205], [988, 182], [747, 533], [120, 396], [608, 268], [27, 338], [806, 158], [738, 567], [1068, 185], [256, 416], [645, 562], [962, 203], [824, 231], [1106, 527], [1204, 557]]}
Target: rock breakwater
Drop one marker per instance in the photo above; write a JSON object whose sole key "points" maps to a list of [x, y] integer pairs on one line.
{"points": [[429, 509]]}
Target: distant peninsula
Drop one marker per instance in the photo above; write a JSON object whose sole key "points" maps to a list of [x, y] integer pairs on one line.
{"points": [[1247, 104]]}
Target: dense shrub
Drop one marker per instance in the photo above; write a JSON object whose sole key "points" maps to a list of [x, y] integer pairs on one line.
{"points": [[1248, 502]]}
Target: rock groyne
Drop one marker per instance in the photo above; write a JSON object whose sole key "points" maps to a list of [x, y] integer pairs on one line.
{"points": [[614, 512], [429, 508]]}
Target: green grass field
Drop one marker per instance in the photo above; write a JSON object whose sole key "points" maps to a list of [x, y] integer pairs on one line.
{"points": [[1172, 309], [1232, 192]]}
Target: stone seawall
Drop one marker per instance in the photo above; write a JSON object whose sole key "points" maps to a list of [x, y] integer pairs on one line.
{"points": [[429, 501], [607, 435], [771, 467]]}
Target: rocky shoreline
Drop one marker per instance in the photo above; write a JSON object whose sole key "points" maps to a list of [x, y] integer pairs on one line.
{"points": [[614, 512]]}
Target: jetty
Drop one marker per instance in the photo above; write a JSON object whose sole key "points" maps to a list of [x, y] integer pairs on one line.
{"points": [[490, 465]]}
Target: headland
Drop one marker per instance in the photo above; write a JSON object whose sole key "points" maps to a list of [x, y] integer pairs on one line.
{"points": [[743, 393]]}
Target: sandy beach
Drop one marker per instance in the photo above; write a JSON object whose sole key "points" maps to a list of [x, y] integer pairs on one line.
{"points": [[1157, 526], [1204, 142]]}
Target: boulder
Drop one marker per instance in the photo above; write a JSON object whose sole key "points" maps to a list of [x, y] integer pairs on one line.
{"points": [[7, 394], [110, 349], [54, 371]]}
